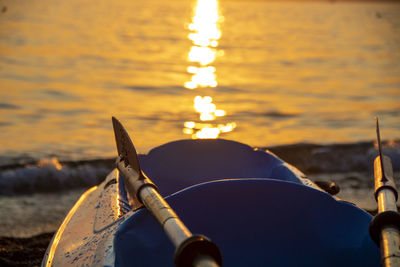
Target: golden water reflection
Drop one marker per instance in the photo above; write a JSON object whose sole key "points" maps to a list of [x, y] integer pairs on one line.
{"points": [[205, 33], [203, 76], [208, 110]]}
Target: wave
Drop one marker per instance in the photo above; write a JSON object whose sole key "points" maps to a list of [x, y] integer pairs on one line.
{"points": [[334, 158], [51, 175]]}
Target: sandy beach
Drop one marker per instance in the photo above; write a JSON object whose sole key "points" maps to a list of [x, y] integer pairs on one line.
{"points": [[23, 251]]}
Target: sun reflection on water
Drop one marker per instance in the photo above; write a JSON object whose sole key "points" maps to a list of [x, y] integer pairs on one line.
{"points": [[205, 33], [202, 76]]}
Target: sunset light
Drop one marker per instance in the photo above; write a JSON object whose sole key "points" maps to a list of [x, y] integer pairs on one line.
{"points": [[208, 112], [205, 89], [205, 33], [203, 76]]}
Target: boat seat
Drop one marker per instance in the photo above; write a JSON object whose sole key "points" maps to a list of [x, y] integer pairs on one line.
{"points": [[180, 164], [256, 222]]}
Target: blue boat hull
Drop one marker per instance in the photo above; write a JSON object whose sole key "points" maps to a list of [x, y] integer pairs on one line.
{"points": [[254, 206]]}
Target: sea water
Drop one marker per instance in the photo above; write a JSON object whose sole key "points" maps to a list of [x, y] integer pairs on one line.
{"points": [[266, 73]]}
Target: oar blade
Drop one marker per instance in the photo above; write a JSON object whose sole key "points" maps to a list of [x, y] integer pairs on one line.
{"points": [[125, 147], [381, 166]]}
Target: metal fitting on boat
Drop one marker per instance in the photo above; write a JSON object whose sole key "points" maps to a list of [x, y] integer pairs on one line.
{"points": [[195, 247], [383, 173], [134, 181]]}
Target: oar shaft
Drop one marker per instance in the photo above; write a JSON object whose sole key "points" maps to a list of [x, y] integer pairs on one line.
{"points": [[190, 250], [386, 195], [167, 218], [390, 237], [385, 188], [390, 243], [386, 200], [205, 261], [189, 247], [171, 224]]}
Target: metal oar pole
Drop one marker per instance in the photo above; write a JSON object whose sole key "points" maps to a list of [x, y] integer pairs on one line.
{"points": [[191, 250], [385, 226]]}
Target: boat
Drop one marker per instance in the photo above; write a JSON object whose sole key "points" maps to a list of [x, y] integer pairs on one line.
{"points": [[256, 209]]}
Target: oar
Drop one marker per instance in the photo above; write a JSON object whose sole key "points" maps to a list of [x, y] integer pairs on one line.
{"points": [[385, 226], [190, 250]]}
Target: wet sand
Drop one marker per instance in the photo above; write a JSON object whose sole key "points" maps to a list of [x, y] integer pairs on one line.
{"points": [[23, 251]]}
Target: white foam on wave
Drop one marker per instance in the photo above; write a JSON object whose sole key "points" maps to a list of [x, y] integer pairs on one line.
{"points": [[49, 175]]}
